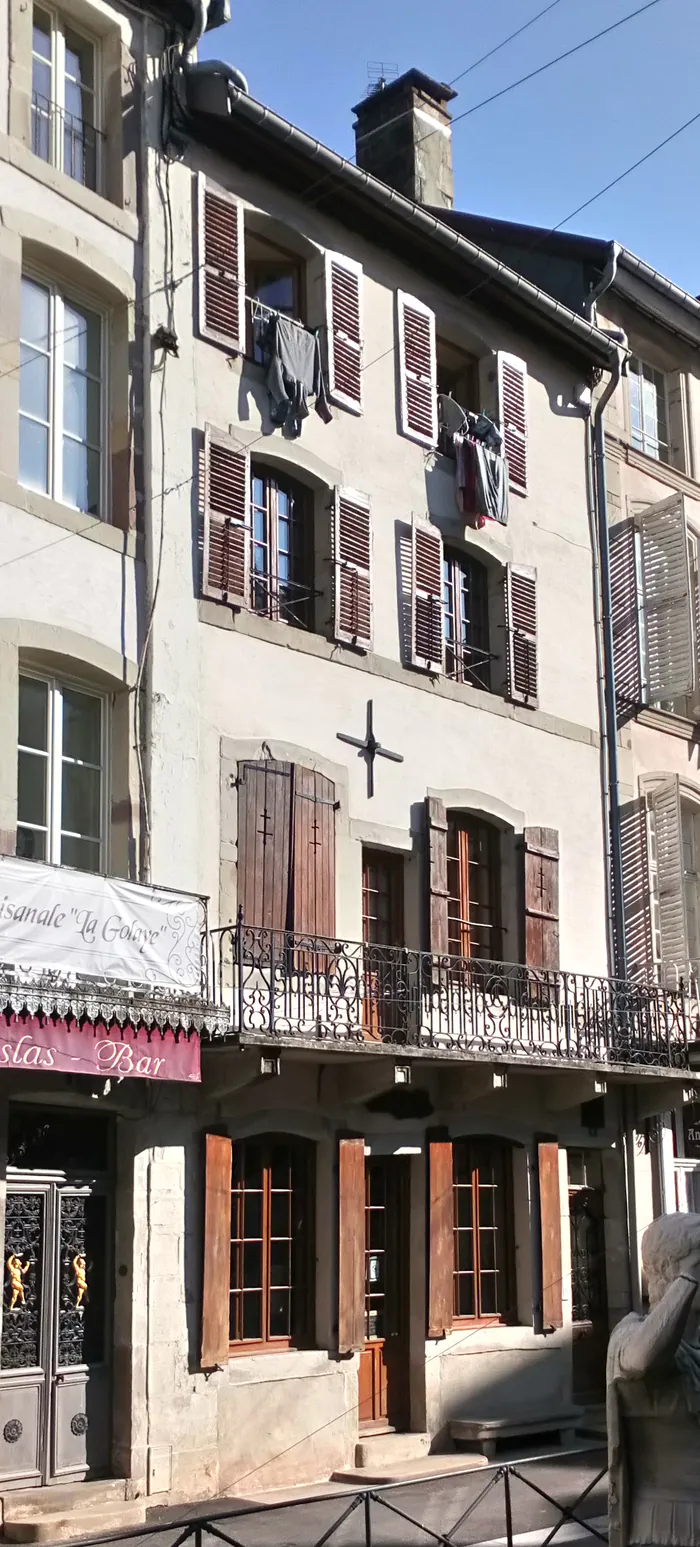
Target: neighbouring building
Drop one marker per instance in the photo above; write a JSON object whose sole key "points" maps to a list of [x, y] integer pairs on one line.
{"points": [[298, 658]]}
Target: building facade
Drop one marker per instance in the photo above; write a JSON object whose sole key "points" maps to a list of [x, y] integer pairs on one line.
{"points": [[320, 658]]}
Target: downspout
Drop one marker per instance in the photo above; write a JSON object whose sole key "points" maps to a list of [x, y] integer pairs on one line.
{"points": [[614, 877]]}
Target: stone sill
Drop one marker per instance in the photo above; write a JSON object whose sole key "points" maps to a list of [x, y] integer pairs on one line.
{"points": [[18, 155], [130, 544]]}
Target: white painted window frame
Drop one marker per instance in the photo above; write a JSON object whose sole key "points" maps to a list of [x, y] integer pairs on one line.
{"points": [[57, 100], [54, 755], [659, 386]]}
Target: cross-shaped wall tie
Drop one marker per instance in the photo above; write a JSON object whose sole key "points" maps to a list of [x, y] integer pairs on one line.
{"points": [[369, 748]]}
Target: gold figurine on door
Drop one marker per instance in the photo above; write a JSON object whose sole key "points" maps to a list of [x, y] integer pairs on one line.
{"points": [[17, 1271], [81, 1284]]}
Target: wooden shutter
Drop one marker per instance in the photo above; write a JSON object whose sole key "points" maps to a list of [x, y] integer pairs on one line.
{"points": [[216, 1286], [666, 804], [440, 1239], [313, 839], [668, 603], [221, 268], [627, 652], [677, 410], [417, 369], [351, 1245], [264, 838], [226, 565], [352, 568], [636, 889], [512, 404], [344, 323], [541, 856], [550, 1233], [427, 628], [521, 634], [436, 859]]}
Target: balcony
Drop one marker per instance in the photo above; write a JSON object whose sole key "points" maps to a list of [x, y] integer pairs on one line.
{"points": [[291, 989], [66, 141]]}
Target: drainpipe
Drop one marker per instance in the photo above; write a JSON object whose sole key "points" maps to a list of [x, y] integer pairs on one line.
{"points": [[614, 878]]}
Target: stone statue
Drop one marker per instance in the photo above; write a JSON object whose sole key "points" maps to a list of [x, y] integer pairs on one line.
{"points": [[653, 1397]]}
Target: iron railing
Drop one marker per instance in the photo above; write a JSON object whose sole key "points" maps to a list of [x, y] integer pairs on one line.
{"points": [[67, 141], [277, 985]]}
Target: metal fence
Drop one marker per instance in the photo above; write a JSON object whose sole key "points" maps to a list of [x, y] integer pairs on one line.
{"points": [[67, 141]]}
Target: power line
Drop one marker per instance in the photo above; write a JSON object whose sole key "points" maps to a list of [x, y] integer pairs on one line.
{"points": [[499, 46]]}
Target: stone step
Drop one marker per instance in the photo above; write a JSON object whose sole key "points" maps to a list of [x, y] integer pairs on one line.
{"points": [[61, 1497], [385, 1447], [409, 1471], [63, 1525]]}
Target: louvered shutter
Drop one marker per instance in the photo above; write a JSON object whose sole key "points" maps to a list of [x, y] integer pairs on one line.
{"points": [[541, 866], [436, 859], [216, 1278], [629, 687], [417, 369], [668, 610], [427, 629], [264, 839], [352, 568], [440, 1239], [313, 808], [550, 1234], [636, 889], [521, 634], [666, 805], [221, 267], [226, 565], [512, 402], [676, 408], [351, 1243], [344, 323]]}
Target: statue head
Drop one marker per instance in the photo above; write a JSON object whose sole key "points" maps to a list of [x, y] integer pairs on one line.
{"points": [[670, 1246]]}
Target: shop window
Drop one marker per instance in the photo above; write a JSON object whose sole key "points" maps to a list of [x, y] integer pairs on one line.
{"points": [[61, 783], [271, 1243], [483, 1230]]}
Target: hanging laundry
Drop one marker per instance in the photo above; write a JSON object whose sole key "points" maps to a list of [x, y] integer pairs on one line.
{"points": [[481, 484], [293, 372]]}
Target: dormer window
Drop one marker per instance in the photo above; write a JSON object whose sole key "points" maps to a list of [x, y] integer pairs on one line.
{"points": [[64, 98]]}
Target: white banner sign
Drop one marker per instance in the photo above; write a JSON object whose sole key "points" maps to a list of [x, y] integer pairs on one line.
{"points": [[70, 922]]}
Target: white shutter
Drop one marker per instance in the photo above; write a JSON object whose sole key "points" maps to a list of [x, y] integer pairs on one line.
{"points": [[668, 610], [352, 568], [417, 369], [512, 412], [427, 630], [677, 412], [343, 282], [636, 889], [673, 930], [220, 266]]}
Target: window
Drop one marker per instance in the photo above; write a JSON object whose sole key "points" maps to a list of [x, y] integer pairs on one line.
{"points": [[457, 378], [648, 409], [483, 1229], [64, 100], [466, 620], [282, 553], [275, 279], [473, 887], [271, 1240], [60, 398], [60, 793]]}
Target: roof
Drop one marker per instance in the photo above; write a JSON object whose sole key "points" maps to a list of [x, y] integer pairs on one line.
{"points": [[229, 121]]}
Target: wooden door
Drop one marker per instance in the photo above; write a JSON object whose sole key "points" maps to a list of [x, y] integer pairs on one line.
{"points": [[384, 1368], [588, 1288], [382, 932]]}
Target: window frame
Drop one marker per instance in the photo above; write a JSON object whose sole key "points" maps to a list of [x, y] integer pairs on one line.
{"points": [[649, 446], [458, 567], [276, 481], [54, 757], [59, 296], [304, 1334], [57, 112], [464, 824], [487, 1143]]}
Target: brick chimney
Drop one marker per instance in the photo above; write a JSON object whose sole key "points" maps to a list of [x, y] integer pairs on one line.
{"points": [[403, 136]]}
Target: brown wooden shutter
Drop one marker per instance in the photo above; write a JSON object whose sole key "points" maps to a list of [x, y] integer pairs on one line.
{"points": [[221, 268], [440, 1239], [550, 1233], [352, 568], [216, 1286], [351, 1245], [344, 321], [427, 629], [541, 855], [636, 889], [521, 634], [226, 566], [512, 391], [627, 651], [314, 853], [264, 839], [417, 369], [436, 842]]}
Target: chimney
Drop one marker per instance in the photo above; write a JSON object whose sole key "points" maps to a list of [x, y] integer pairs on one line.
{"points": [[403, 136]]}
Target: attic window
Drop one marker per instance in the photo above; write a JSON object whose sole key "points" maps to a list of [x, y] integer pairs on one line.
{"points": [[275, 278]]}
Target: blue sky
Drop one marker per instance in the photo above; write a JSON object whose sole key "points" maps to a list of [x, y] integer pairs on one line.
{"points": [[541, 150]]}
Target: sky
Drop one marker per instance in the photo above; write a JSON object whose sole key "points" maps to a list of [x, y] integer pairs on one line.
{"points": [[542, 149]]}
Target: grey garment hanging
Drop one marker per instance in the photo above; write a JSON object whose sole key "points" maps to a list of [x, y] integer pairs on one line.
{"points": [[294, 372], [481, 484]]}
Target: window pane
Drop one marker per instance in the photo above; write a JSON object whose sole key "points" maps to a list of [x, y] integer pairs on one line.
{"points": [[80, 800], [279, 1214], [41, 33], [33, 713], [31, 788], [465, 1295], [34, 383], [82, 339], [81, 476], [252, 1265], [80, 57], [280, 1300], [31, 844], [34, 315], [82, 726], [33, 455], [280, 1265], [252, 1315], [82, 853], [465, 1250], [253, 1215]]}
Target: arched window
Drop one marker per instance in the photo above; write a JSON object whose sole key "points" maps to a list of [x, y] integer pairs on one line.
{"points": [[484, 1280], [271, 1242]]}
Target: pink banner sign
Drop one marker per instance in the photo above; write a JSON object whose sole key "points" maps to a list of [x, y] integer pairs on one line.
{"points": [[96, 1049]]}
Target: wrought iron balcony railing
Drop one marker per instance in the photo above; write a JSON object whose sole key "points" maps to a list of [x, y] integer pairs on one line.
{"points": [[67, 141], [279, 986]]}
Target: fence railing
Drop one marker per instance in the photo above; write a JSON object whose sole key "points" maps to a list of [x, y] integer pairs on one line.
{"points": [[67, 141], [280, 985]]}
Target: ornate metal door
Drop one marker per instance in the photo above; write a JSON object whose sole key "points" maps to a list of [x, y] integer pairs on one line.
{"points": [[54, 1352], [589, 1293]]}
